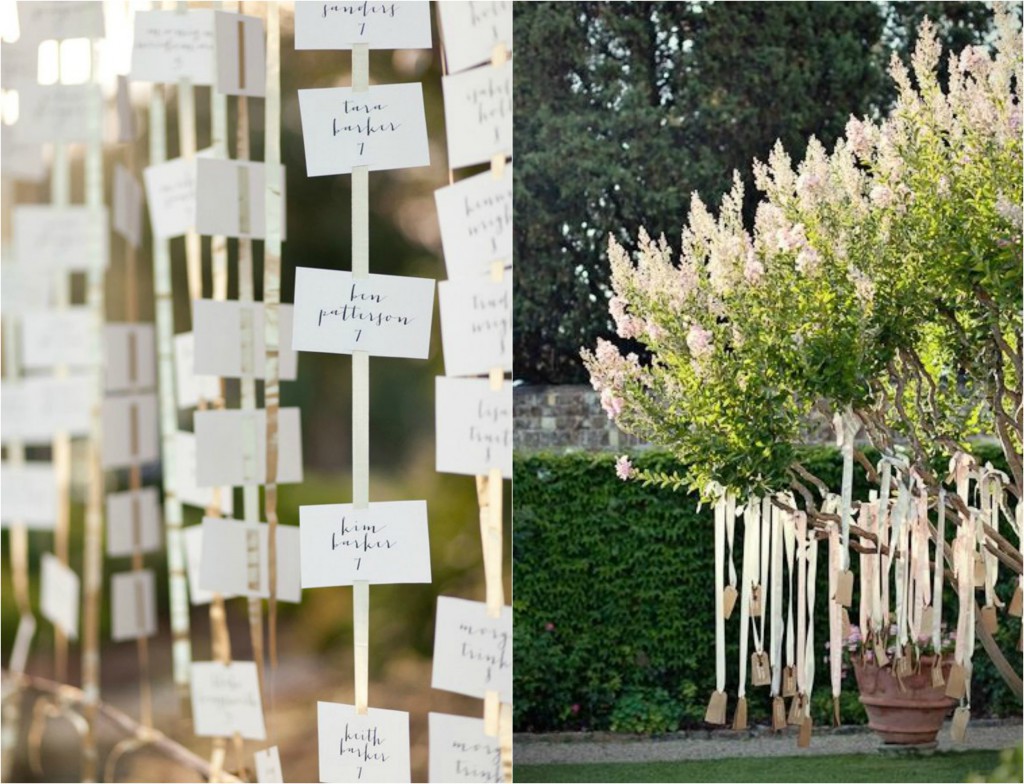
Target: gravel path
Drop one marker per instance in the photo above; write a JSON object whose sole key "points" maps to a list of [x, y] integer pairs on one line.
{"points": [[561, 748]]}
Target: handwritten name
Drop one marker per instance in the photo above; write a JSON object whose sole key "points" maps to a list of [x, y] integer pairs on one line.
{"points": [[360, 536], [362, 126], [354, 312], [364, 10], [361, 745], [487, 645]]}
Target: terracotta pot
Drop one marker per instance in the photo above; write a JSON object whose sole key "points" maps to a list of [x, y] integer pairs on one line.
{"points": [[910, 715]]}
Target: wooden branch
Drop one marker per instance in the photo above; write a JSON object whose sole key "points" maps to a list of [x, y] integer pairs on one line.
{"points": [[1014, 566], [821, 487], [869, 469], [1003, 543]]}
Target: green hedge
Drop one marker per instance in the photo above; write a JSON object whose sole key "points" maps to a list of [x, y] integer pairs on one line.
{"points": [[614, 616]]}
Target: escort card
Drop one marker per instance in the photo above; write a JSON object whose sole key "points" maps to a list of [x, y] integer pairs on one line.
{"points": [[220, 325], [186, 489], [60, 238], [461, 752], [235, 560], [129, 351], [133, 521], [268, 766], [372, 747], [193, 537], [471, 30], [476, 223], [40, 21], [126, 129], [59, 113], [170, 46], [171, 196], [226, 700], [241, 56], [386, 543], [476, 325], [478, 114], [384, 315], [472, 651], [474, 426], [21, 160], [21, 63], [26, 288], [383, 127], [127, 205], [188, 386], [29, 496], [34, 409], [58, 599], [397, 25], [231, 198], [133, 605], [130, 432], [232, 447], [58, 337]]}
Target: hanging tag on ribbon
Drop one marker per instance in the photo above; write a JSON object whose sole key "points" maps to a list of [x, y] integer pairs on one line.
{"points": [[1016, 603], [989, 619], [956, 686], [739, 719], [804, 738], [715, 713], [755, 601], [958, 729], [796, 711], [729, 597], [788, 682], [844, 588], [937, 680], [760, 669], [778, 714]]}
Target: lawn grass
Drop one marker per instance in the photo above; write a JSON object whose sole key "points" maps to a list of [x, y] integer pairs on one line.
{"points": [[951, 766]]}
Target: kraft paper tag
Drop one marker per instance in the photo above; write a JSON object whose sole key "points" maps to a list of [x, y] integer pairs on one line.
{"points": [[904, 667], [979, 571], [716, 708], [755, 601], [844, 588], [956, 686], [989, 619], [938, 681], [1016, 604], [760, 669], [804, 738], [729, 596], [880, 655], [739, 719], [927, 619], [778, 714], [796, 711], [959, 728], [788, 682], [845, 619]]}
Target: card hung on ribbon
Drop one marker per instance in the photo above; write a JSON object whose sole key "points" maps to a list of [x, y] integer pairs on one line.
{"points": [[473, 426], [189, 387], [241, 54], [60, 238], [29, 495], [58, 599], [127, 205], [226, 700], [186, 489], [129, 351], [58, 337], [384, 543], [21, 63], [268, 766], [232, 447], [133, 521], [231, 198], [130, 432], [41, 21], [338, 25], [476, 325], [170, 46], [22, 161], [373, 747], [471, 30], [58, 113], [383, 127], [384, 315], [231, 341], [26, 288], [475, 215], [33, 410], [460, 751], [193, 538], [171, 197], [133, 605], [472, 651], [234, 559], [126, 130], [478, 114]]}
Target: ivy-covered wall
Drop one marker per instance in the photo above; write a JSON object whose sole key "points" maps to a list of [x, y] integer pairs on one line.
{"points": [[614, 612]]}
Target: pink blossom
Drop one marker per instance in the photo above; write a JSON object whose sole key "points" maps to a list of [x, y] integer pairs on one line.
{"points": [[549, 626], [975, 60], [624, 468], [575, 708], [653, 329], [807, 260], [625, 325], [881, 195], [859, 137], [611, 404], [753, 271], [791, 238], [698, 340]]}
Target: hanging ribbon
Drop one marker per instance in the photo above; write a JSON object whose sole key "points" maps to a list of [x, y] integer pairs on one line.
{"points": [[715, 713]]}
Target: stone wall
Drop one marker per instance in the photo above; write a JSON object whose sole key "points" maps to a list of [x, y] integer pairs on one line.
{"points": [[562, 418]]}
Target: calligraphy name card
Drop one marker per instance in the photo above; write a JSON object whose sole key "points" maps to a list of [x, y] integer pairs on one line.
{"points": [[26, 288], [35, 409], [235, 560], [474, 426], [472, 651], [186, 489], [476, 223], [472, 30], [461, 752], [58, 599], [384, 315], [130, 356], [130, 432], [385, 543], [478, 114], [29, 496], [372, 747], [59, 113], [268, 766], [223, 327], [226, 700], [60, 238], [133, 605], [171, 196], [383, 127], [339, 25], [476, 325], [170, 46], [133, 521], [231, 198], [127, 205], [58, 337], [232, 447], [41, 21], [22, 161], [241, 56], [193, 537], [189, 387]]}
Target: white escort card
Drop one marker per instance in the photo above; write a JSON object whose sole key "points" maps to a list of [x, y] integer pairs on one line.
{"points": [[478, 114], [171, 197], [186, 489], [29, 495], [41, 21], [476, 325], [231, 198], [373, 747], [35, 409], [21, 160], [383, 127], [188, 386], [127, 205], [58, 337], [169, 46], [226, 700], [60, 238], [474, 426], [21, 63], [58, 113], [133, 605], [338, 25], [476, 223], [58, 598], [268, 766], [472, 651], [241, 56], [471, 30], [461, 752], [130, 432], [235, 559], [193, 537], [133, 521], [220, 325], [385, 543], [232, 447], [384, 315], [129, 351], [26, 287], [126, 128]]}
